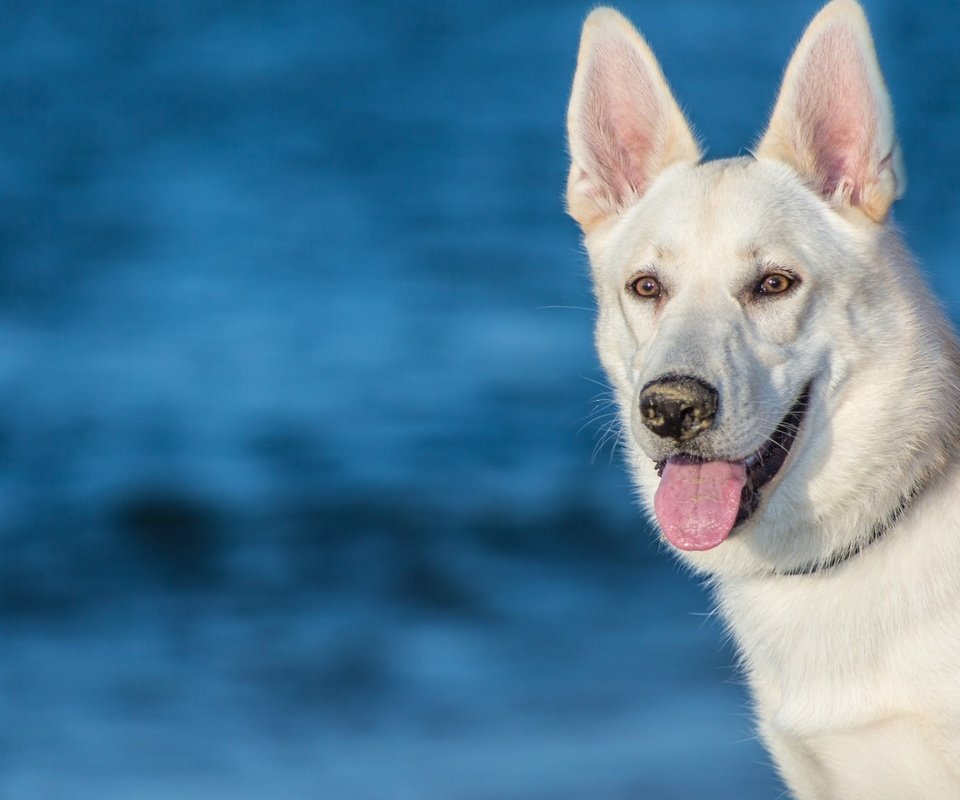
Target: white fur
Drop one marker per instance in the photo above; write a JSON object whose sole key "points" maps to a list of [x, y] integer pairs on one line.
{"points": [[855, 670]]}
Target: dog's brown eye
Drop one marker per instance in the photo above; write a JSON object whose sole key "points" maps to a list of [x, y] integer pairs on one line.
{"points": [[775, 283], [647, 287]]}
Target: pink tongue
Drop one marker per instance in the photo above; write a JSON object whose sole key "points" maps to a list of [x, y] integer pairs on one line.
{"points": [[697, 502]]}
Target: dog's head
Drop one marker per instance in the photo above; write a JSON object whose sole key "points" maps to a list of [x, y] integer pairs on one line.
{"points": [[738, 298]]}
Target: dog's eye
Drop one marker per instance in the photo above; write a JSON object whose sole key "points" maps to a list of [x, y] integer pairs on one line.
{"points": [[775, 283], [647, 287]]}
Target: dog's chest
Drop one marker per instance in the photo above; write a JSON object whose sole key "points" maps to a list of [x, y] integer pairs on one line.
{"points": [[890, 759], [846, 658], [857, 689]]}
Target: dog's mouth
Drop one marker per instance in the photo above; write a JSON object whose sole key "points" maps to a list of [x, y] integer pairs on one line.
{"points": [[698, 502]]}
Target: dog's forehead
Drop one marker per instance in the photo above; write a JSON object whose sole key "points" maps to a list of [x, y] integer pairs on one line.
{"points": [[728, 207]]}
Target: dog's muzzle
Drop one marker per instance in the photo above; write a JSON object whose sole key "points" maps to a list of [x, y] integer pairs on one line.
{"points": [[678, 407]]}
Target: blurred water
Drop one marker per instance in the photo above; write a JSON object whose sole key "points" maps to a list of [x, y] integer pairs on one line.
{"points": [[295, 364]]}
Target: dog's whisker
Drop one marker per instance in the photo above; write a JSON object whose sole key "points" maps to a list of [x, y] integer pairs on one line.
{"points": [[601, 420], [603, 384], [611, 432], [565, 308]]}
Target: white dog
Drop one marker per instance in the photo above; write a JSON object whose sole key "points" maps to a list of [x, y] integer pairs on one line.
{"points": [[791, 394]]}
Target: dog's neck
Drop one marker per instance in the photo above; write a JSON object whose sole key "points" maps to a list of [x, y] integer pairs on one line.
{"points": [[926, 468], [931, 471], [880, 530]]}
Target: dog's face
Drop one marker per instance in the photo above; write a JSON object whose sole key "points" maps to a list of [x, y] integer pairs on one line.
{"points": [[710, 276], [736, 297], [713, 291]]}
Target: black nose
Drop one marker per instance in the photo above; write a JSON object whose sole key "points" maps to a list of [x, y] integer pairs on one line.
{"points": [[678, 407]]}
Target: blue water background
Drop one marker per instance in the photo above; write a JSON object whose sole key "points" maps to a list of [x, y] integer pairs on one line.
{"points": [[302, 465]]}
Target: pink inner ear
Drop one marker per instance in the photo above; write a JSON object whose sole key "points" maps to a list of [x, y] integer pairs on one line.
{"points": [[837, 110], [622, 120]]}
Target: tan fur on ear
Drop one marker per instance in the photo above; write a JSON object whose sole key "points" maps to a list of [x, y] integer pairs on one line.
{"points": [[623, 123], [833, 121]]}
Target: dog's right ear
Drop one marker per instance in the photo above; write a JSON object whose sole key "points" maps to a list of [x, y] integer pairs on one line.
{"points": [[623, 123]]}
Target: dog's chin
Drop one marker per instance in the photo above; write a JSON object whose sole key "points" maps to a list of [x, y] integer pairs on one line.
{"points": [[700, 501]]}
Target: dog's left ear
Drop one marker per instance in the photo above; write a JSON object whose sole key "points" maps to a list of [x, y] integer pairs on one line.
{"points": [[833, 121]]}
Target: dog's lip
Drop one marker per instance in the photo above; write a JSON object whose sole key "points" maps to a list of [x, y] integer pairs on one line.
{"points": [[765, 463]]}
